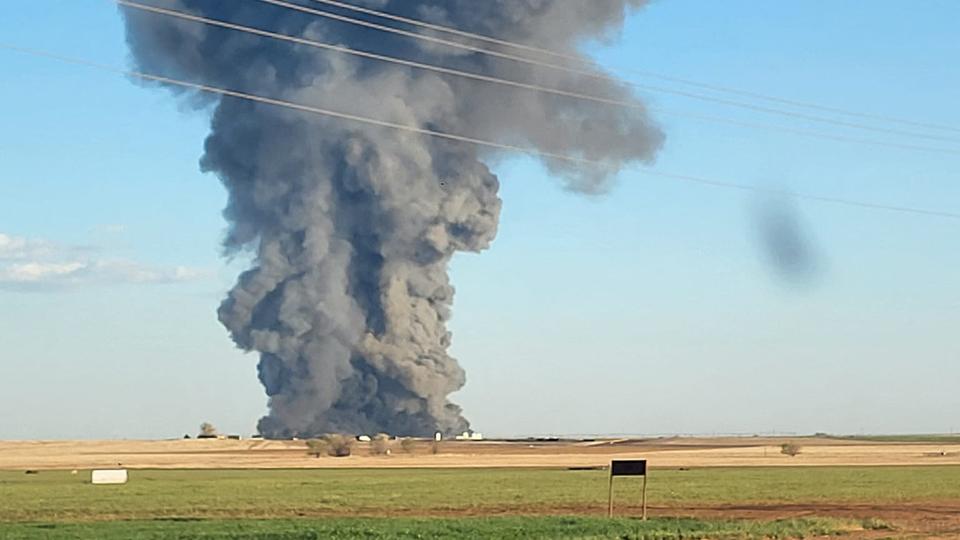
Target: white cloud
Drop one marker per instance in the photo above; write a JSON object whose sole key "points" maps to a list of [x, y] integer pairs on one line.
{"points": [[110, 229], [125, 271], [36, 264], [13, 248], [33, 272]]}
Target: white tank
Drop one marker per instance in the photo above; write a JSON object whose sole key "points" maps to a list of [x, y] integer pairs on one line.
{"points": [[109, 476]]}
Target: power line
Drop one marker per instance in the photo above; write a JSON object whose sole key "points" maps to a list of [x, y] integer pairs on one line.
{"points": [[471, 140], [507, 82], [599, 76], [668, 78]]}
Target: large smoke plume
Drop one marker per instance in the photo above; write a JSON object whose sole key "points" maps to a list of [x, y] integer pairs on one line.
{"points": [[351, 227]]}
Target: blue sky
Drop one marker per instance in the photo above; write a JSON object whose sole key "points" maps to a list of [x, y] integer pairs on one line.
{"points": [[648, 310]]}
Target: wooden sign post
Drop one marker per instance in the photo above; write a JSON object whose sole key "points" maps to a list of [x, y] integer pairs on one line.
{"points": [[627, 467]]}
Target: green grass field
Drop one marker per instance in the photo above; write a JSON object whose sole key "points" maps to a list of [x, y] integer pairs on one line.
{"points": [[161, 504], [384, 528], [61, 496]]}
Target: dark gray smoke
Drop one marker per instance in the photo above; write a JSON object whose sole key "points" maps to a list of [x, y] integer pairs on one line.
{"points": [[786, 244], [352, 226]]}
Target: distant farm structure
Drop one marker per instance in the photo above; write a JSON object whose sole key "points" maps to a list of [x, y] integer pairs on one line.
{"points": [[220, 437]]}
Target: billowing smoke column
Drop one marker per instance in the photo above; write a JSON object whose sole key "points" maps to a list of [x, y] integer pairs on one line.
{"points": [[352, 226]]}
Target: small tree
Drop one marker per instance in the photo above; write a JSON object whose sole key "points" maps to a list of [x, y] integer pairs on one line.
{"points": [[790, 449], [207, 429], [408, 445], [317, 447], [338, 445], [380, 445]]}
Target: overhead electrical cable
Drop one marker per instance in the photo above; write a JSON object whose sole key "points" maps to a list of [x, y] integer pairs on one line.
{"points": [[472, 140], [590, 63], [516, 84], [599, 76]]}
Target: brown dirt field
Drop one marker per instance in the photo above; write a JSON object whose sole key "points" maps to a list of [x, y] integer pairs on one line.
{"points": [[910, 520], [667, 452]]}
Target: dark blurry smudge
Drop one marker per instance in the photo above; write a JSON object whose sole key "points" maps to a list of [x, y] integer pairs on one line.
{"points": [[786, 243]]}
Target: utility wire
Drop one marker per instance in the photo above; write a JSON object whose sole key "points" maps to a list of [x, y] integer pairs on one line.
{"points": [[515, 84], [599, 76], [593, 65], [471, 140]]}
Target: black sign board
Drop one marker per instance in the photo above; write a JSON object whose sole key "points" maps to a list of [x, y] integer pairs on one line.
{"points": [[628, 467]]}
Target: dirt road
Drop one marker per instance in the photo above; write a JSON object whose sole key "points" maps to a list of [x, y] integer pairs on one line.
{"points": [[672, 452]]}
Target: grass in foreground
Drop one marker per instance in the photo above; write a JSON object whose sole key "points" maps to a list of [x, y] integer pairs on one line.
{"points": [[384, 529], [58, 496]]}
